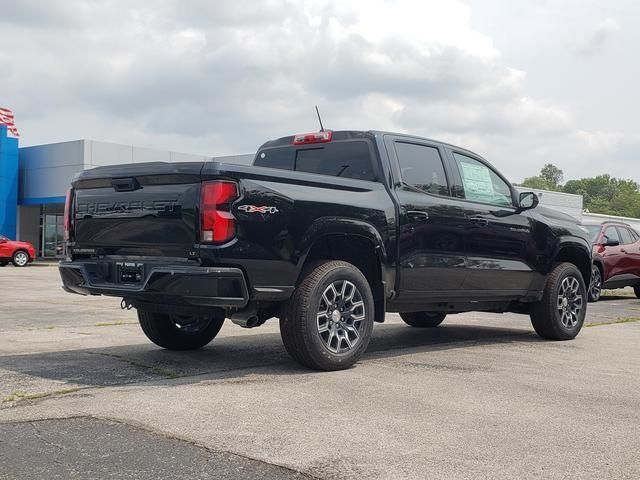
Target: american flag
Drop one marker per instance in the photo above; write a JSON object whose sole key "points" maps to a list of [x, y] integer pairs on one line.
{"points": [[7, 119]]}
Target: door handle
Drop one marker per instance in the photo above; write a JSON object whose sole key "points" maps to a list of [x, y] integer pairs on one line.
{"points": [[623, 250], [418, 215], [483, 222]]}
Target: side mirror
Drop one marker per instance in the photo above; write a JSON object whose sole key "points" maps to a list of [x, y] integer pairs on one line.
{"points": [[3, 240], [527, 201], [610, 242]]}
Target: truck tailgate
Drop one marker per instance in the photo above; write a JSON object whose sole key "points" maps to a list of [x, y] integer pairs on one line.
{"points": [[141, 209]]}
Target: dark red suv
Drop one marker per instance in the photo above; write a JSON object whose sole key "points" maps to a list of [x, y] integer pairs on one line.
{"points": [[19, 253], [616, 257]]}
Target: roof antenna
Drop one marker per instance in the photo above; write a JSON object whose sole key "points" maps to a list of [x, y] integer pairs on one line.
{"points": [[319, 119]]}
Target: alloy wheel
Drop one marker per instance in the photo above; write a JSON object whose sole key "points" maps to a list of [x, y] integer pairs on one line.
{"points": [[21, 259], [595, 287], [570, 301], [340, 316]]}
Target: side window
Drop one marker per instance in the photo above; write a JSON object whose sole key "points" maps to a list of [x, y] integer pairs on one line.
{"points": [[421, 167], [611, 234], [625, 236], [634, 234], [481, 184]]}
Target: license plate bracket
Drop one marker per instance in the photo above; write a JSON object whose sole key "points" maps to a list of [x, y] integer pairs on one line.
{"points": [[130, 272]]}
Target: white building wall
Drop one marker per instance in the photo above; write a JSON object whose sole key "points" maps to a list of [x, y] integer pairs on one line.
{"points": [[99, 154], [46, 170], [568, 203], [596, 217]]}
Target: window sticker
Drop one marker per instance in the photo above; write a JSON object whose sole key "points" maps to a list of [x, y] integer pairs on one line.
{"points": [[477, 180]]}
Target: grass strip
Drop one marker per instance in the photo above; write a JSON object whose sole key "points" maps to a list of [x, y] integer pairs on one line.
{"points": [[614, 322]]}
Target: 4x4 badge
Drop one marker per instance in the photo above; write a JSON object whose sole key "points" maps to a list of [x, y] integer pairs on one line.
{"points": [[254, 209]]}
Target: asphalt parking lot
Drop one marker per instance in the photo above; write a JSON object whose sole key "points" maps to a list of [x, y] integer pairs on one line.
{"points": [[83, 394]]}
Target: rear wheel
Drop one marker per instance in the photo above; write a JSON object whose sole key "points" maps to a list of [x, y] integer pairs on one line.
{"points": [[423, 319], [179, 332], [560, 314], [20, 258], [329, 319], [595, 286]]}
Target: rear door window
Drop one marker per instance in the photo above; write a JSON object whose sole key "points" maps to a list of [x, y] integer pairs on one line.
{"points": [[340, 159], [625, 236], [421, 167]]}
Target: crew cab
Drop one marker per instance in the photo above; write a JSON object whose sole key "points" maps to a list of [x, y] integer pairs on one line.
{"points": [[16, 252], [326, 231]]}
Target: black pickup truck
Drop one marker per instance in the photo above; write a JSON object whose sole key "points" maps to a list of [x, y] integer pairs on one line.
{"points": [[326, 231]]}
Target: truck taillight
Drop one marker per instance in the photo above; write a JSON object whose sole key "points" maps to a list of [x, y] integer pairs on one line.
{"points": [[309, 138], [217, 223], [67, 215]]}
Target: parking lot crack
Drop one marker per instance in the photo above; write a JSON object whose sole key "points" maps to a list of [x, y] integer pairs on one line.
{"points": [[41, 438], [169, 374]]}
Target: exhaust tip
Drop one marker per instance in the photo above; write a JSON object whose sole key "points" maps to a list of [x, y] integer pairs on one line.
{"points": [[246, 321], [252, 322]]}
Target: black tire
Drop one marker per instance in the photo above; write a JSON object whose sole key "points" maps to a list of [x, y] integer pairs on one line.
{"points": [[163, 329], [318, 341], [595, 285], [556, 316], [20, 258], [636, 290], [3, 264], [423, 319]]}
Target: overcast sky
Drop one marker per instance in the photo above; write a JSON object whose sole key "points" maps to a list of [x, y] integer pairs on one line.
{"points": [[521, 82]]}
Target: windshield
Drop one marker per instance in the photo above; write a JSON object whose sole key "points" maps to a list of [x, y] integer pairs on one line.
{"points": [[594, 230]]}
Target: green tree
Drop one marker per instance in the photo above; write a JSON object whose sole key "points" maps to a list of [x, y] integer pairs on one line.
{"points": [[607, 195], [552, 175], [550, 178]]}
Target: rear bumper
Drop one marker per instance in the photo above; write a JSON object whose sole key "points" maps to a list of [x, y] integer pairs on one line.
{"points": [[161, 284]]}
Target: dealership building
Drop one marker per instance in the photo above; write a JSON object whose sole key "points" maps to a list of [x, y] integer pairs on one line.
{"points": [[34, 181]]}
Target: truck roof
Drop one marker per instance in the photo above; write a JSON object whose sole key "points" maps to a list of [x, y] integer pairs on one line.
{"points": [[364, 134]]}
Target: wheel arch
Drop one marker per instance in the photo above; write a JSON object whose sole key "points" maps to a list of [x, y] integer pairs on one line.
{"points": [[600, 264], [352, 241], [577, 255]]}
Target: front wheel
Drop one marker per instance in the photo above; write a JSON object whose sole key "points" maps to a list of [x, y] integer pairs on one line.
{"points": [[595, 286], [179, 332], [20, 258], [560, 314], [329, 319], [423, 319]]}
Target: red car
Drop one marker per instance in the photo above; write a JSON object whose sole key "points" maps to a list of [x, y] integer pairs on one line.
{"points": [[616, 258], [18, 253]]}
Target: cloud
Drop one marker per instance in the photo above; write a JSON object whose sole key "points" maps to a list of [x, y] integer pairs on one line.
{"points": [[599, 36], [222, 77]]}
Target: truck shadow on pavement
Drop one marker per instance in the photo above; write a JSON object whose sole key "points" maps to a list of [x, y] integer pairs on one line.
{"points": [[230, 356]]}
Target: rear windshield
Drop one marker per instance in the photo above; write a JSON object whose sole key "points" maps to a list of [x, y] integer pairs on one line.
{"points": [[339, 159]]}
